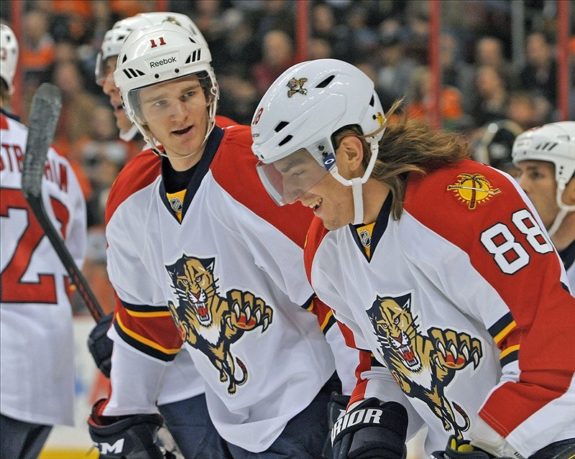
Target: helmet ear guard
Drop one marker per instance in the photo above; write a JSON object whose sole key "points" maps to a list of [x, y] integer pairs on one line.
{"points": [[9, 56]]}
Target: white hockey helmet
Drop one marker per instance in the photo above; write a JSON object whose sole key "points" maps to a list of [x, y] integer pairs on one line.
{"points": [[301, 111], [554, 143], [158, 54], [115, 37], [8, 56]]}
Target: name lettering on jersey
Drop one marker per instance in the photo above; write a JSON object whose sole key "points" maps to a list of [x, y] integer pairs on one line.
{"points": [[210, 322], [12, 160], [473, 189], [423, 365]]}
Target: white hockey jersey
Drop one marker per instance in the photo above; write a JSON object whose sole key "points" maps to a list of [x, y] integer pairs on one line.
{"points": [[181, 379], [232, 277], [36, 350], [464, 306]]}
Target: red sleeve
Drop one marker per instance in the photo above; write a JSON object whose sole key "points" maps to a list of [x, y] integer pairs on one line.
{"points": [[506, 247], [234, 168], [151, 330]]}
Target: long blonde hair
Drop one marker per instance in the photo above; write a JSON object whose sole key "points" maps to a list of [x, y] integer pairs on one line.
{"points": [[408, 147]]}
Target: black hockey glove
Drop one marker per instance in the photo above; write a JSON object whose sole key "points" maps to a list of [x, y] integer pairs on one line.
{"points": [[371, 430], [100, 346], [462, 449], [125, 437], [335, 409]]}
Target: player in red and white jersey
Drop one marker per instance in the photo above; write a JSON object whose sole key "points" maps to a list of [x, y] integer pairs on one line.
{"points": [[36, 338], [438, 265], [182, 389], [545, 157], [218, 257]]}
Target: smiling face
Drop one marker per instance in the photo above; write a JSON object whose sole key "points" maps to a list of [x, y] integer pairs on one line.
{"points": [[111, 90], [176, 114], [537, 179], [299, 177]]}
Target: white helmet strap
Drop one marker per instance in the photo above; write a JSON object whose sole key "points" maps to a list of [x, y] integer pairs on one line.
{"points": [[564, 209], [128, 135], [357, 183]]}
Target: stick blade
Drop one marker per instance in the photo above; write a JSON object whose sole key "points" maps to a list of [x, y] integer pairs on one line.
{"points": [[44, 114]]}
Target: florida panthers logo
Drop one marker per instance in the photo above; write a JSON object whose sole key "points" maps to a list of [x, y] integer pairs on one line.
{"points": [[210, 322], [422, 365]]}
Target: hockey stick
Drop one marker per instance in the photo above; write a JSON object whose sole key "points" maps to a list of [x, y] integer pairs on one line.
{"points": [[44, 114]]}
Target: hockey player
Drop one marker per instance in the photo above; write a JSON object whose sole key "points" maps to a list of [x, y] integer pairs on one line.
{"points": [[181, 400], [546, 158], [36, 340], [220, 259], [439, 266]]}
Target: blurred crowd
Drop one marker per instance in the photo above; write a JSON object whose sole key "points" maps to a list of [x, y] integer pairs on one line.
{"points": [[252, 42]]}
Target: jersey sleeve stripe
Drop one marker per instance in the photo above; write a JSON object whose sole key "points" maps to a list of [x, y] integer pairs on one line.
{"points": [[505, 332], [500, 328], [149, 314], [143, 344], [509, 355]]}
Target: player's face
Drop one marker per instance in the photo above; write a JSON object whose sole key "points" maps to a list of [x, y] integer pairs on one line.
{"points": [[176, 113], [537, 179], [330, 200], [111, 90]]}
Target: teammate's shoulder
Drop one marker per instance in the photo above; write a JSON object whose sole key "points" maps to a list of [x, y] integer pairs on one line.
{"points": [[463, 186], [315, 234], [238, 134], [138, 173]]}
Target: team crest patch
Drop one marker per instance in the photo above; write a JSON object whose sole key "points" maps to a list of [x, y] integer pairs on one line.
{"points": [[211, 322], [295, 85], [473, 189], [424, 363]]}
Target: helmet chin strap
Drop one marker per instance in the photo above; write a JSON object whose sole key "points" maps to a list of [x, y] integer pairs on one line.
{"points": [[128, 135], [357, 190], [357, 184], [564, 209]]}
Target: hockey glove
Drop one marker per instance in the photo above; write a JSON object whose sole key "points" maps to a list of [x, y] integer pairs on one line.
{"points": [[125, 437], [100, 346], [371, 430], [461, 449], [335, 409]]}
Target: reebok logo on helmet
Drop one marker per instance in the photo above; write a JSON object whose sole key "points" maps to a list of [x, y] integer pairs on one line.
{"points": [[164, 61]]}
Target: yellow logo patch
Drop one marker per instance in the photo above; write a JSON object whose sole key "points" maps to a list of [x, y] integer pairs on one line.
{"points": [[295, 86], [472, 189]]}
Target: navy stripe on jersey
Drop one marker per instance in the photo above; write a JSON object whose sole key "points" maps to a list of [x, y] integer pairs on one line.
{"points": [[378, 230], [139, 345], [201, 168], [508, 356], [500, 329]]}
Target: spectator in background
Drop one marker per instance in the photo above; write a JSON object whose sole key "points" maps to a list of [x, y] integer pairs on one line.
{"points": [[419, 100], [526, 109], [489, 51], [395, 68], [38, 52], [278, 55], [490, 96], [539, 75]]}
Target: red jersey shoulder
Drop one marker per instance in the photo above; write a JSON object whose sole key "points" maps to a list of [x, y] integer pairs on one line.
{"points": [[315, 235], [465, 192], [4, 122], [224, 121], [138, 173], [234, 168]]}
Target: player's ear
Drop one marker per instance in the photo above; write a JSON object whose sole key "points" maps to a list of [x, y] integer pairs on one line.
{"points": [[350, 156]]}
